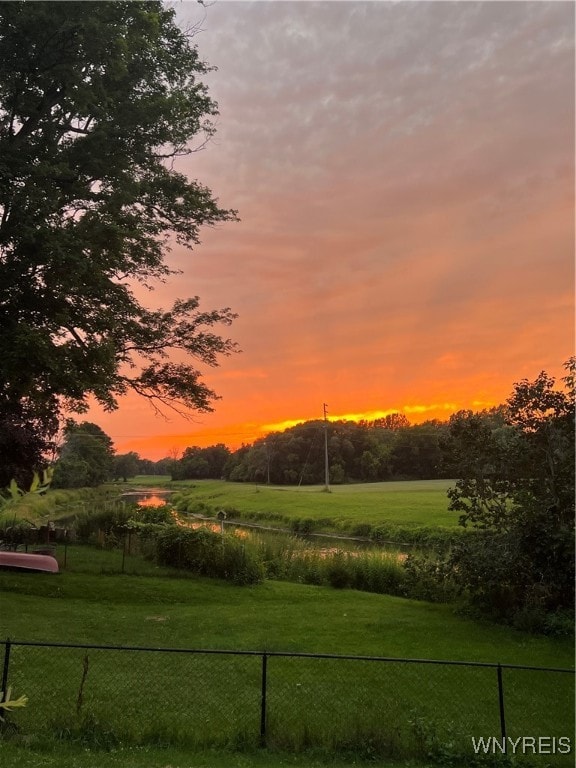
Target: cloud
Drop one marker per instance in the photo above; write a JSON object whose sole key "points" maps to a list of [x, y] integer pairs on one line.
{"points": [[404, 174]]}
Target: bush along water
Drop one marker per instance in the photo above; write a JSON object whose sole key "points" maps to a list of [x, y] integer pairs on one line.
{"points": [[207, 553], [289, 558], [199, 550]]}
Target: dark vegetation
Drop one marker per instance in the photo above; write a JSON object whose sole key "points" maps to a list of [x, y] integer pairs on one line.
{"points": [[94, 108]]}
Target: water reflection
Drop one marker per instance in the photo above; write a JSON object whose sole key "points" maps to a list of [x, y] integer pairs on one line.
{"points": [[151, 497], [152, 501]]}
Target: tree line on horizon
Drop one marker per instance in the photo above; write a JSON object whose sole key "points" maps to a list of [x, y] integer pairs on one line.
{"points": [[389, 448], [364, 451]]}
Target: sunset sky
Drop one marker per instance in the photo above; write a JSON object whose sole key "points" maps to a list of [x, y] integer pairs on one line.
{"points": [[404, 176]]}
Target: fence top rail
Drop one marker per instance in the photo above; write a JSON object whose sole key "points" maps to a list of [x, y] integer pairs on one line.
{"points": [[285, 654]]}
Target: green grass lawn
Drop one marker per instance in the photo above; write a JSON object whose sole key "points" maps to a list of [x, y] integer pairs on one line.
{"points": [[404, 504], [203, 699], [91, 601], [64, 756]]}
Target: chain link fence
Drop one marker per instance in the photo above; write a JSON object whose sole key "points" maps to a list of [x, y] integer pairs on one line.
{"points": [[372, 706]]}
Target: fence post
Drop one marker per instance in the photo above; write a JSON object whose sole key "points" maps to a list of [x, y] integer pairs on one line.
{"points": [[263, 701], [4, 687], [501, 706]]}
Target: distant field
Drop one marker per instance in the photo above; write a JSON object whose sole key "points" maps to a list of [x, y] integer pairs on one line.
{"points": [[410, 504], [151, 480]]}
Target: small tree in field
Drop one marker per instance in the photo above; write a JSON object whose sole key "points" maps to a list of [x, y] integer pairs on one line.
{"points": [[125, 465]]}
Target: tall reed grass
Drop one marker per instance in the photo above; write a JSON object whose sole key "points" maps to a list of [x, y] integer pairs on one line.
{"points": [[289, 558]]}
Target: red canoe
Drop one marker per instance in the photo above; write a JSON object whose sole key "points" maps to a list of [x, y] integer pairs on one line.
{"points": [[28, 561]]}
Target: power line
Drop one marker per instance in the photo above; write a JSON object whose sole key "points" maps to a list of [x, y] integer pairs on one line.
{"points": [[326, 467]]}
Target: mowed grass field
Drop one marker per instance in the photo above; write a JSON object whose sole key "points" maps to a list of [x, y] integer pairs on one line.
{"points": [[90, 601], [409, 504], [207, 700], [400, 504]]}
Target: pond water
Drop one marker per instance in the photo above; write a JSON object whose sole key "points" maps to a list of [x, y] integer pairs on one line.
{"points": [[149, 497]]}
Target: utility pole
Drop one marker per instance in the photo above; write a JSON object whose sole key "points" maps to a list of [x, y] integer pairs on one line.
{"points": [[326, 469]]}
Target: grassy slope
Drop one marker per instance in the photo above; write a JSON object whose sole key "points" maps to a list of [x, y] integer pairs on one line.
{"points": [[39, 509], [161, 611], [153, 609]]}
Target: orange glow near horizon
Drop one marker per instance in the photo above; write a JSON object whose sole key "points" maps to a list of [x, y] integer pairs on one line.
{"points": [[422, 411], [234, 435]]}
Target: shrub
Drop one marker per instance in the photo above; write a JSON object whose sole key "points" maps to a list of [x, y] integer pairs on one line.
{"points": [[428, 577], [560, 624], [206, 553], [363, 530], [154, 515], [312, 574], [379, 573], [302, 525], [17, 533], [440, 539], [196, 508], [338, 572], [111, 520]]}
